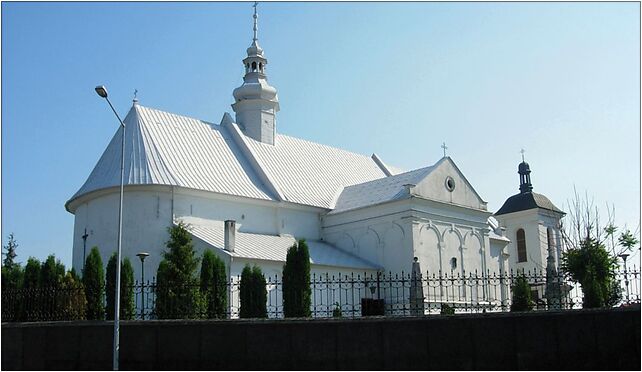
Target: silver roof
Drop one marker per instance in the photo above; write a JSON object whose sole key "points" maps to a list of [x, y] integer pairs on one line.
{"points": [[275, 248], [168, 149], [380, 190]]}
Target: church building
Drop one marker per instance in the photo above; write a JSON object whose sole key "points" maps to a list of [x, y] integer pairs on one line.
{"points": [[248, 192]]}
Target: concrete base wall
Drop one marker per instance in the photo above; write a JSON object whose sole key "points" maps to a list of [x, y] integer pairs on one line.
{"points": [[601, 339]]}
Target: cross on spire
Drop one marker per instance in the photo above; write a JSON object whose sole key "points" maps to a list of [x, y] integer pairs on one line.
{"points": [[443, 146], [255, 16], [522, 152]]}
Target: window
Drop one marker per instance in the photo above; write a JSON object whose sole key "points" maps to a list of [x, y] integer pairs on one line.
{"points": [[253, 66], [453, 263], [521, 246]]}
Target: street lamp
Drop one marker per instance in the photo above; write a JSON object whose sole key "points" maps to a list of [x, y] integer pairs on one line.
{"points": [[624, 256], [102, 92], [142, 256]]}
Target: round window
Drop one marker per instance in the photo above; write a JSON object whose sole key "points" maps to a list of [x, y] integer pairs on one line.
{"points": [[450, 183]]}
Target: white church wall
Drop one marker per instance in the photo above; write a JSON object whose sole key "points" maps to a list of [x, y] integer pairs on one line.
{"points": [[147, 213], [146, 216], [535, 223], [434, 187], [379, 234]]}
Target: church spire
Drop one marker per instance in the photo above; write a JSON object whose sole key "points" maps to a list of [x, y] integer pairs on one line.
{"points": [[255, 101]]}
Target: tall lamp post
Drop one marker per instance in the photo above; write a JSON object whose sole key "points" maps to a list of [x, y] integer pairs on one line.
{"points": [[102, 92], [624, 256], [142, 256]]}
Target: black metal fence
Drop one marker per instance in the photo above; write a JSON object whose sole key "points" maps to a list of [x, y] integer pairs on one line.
{"points": [[351, 295]]}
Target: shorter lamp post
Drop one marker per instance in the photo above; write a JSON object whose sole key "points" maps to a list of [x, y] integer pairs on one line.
{"points": [[142, 256], [624, 256]]}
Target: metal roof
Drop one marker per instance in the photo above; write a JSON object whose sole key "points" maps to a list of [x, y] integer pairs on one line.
{"points": [[310, 173], [168, 149], [380, 190], [527, 200], [275, 248]]}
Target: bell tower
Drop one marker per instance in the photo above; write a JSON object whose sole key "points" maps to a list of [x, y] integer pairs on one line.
{"points": [[255, 101]]}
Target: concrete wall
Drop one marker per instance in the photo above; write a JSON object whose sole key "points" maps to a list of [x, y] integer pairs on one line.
{"points": [[578, 340]]}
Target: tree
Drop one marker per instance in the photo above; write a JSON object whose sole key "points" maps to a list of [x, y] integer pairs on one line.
{"points": [[10, 253], [522, 300], [127, 306], [214, 285], [31, 292], [178, 294], [593, 267], [72, 300], [587, 260], [296, 281], [253, 293], [52, 273], [94, 283], [51, 276]]}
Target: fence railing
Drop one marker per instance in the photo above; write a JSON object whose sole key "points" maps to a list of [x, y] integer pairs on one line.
{"points": [[345, 295]]}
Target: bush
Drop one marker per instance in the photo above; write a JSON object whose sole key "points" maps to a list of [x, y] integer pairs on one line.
{"points": [[178, 294], [31, 295], [94, 282], [52, 274], [296, 281], [214, 285], [593, 267], [521, 295], [253, 293], [336, 312], [72, 300], [447, 310], [127, 306]]}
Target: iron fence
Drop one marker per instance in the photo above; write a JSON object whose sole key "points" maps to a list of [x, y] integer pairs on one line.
{"points": [[345, 295]]}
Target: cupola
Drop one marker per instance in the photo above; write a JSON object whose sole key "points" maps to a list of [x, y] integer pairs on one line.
{"points": [[255, 101]]}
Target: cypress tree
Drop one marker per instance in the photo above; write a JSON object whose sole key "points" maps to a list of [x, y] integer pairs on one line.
{"points": [[31, 293], [521, 295], [214, 285], [94, 282], [296, 281], [181, 295], [127, 306], [52, 273], [51, 276], [253, 293]]}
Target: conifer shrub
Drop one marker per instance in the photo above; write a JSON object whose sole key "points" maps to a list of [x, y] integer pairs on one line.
{"points": [[296, 281], [253, 293], [31, 296], [127, 306], [73, 302], [521, 295], [214, 285], [52, 274], [93, 280], [178, 293]]}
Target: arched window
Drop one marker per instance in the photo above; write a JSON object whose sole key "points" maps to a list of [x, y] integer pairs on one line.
{"points": [[261, 66], [253, 66], [521, 246]]}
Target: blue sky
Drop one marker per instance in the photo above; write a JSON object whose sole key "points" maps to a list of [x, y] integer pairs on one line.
{"points": [[561, 80]]}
